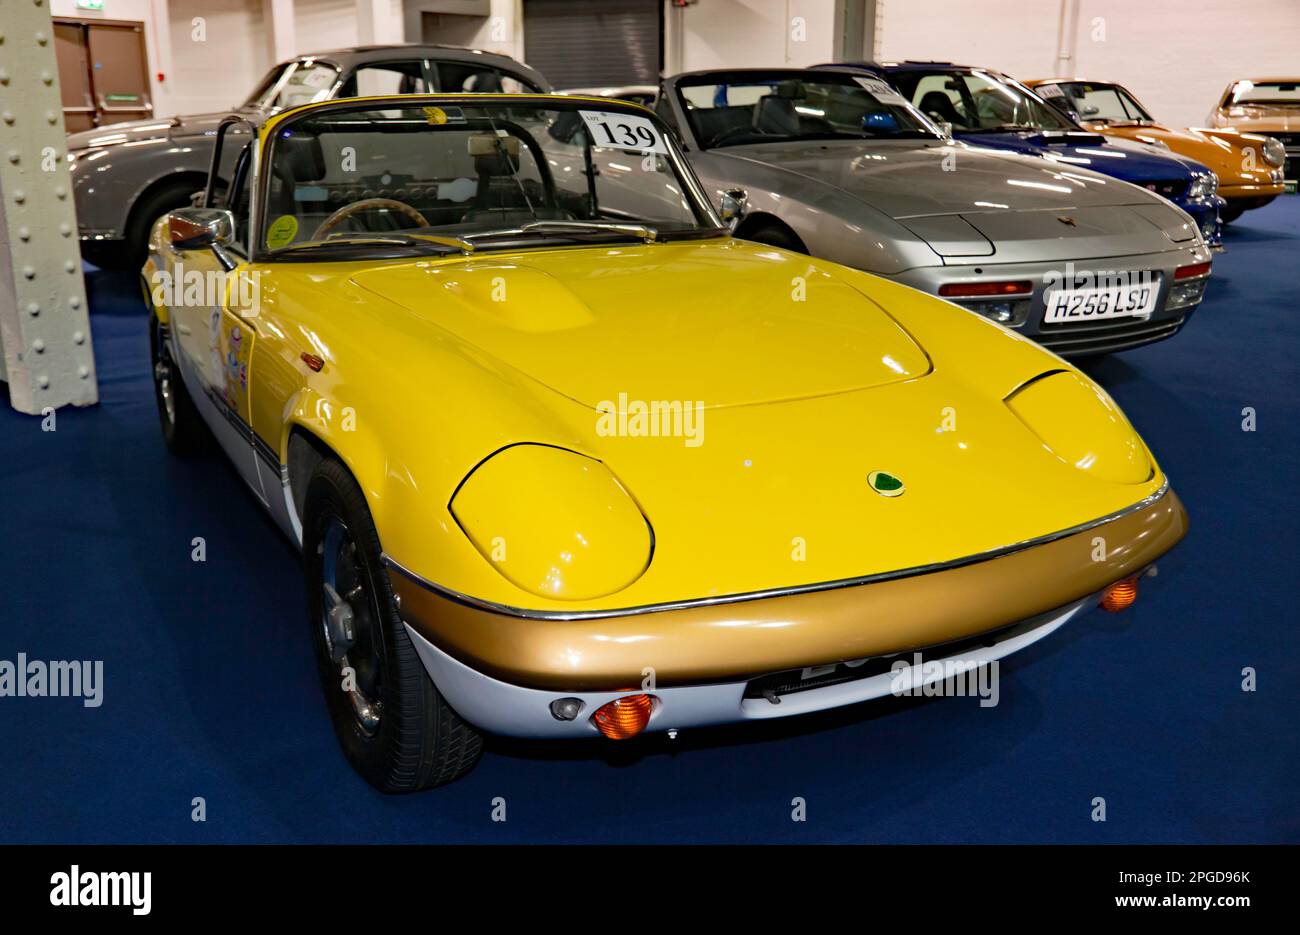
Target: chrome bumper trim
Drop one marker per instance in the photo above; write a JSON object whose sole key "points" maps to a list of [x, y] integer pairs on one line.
{"points": [[511, 611]]}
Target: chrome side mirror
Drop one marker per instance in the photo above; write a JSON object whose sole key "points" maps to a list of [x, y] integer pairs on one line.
{"points": [[732, 204], [945, 129], [195, 228]]}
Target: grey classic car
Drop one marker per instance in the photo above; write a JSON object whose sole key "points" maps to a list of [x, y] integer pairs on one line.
{"points": [[841, 166], [127, 175]]}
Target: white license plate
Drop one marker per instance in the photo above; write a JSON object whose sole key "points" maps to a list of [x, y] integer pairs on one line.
{"points": [[1066, 305]]}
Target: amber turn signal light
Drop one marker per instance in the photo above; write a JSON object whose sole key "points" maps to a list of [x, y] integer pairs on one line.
{"points": [[624, 717], [1120, 595]]}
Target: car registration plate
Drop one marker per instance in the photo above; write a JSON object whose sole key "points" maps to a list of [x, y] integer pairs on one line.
{"points": [[1068, 305]]}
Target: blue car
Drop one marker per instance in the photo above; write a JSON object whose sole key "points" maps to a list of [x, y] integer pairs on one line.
{"points": [[985, 108]]}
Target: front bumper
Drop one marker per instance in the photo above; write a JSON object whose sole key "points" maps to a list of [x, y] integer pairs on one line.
{"points": [[501, 669], [1074, 339], [1249, 197]]}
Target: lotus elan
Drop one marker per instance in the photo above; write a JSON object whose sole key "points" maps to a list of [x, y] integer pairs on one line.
{"points": [[461, 300]]}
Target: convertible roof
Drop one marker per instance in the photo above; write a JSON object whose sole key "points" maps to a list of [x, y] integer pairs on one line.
{"points": [[460, 97], [738, 74], [369, 54]]}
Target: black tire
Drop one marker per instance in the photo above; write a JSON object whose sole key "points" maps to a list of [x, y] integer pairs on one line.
{"points": [[1229, 213], [106, 254], [773, 235], [416, 741], [130, 251], [182, 427]]}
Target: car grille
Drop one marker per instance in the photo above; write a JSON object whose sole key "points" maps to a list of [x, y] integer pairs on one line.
{"points": [[1102, 337], [1169, 188]]}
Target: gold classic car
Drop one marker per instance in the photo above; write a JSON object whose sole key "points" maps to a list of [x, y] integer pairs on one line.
{"points": [[1264, 105], [1249, 165], [565, 459]]}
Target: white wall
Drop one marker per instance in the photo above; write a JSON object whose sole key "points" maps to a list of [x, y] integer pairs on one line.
{"points": [[1177, 56], [332, 24], [324, 24], [503, 31], [215, 67], [743, 33]]}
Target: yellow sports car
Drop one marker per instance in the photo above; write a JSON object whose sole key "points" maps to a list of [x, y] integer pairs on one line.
{"points": [[1249, 166], [565, 459]]}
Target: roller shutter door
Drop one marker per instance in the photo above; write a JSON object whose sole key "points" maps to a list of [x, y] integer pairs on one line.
{"points": [[583, 44]]}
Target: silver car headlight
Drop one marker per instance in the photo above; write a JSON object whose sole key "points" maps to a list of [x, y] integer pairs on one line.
{"points": [[1204, 186], [1274, 152]]}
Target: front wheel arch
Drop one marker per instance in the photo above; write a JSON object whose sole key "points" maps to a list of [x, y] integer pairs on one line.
{"points": [[174, 181], [755, 226], [304, 451]]}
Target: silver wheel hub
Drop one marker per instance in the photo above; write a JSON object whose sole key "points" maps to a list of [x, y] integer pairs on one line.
{"points": [[347, 625]]}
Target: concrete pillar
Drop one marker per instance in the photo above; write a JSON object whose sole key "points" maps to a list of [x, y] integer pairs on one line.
{"points": [[374, 22], [44, 325], [855, 30], [281, 43]]}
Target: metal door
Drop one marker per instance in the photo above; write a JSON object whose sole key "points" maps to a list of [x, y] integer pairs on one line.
{"points": [[74, 76], [119, 72]]}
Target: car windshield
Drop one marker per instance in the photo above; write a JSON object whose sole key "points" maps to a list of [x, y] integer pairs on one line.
{"points": [[762, 110], [977, 102], [1265, 92], [293, 84], [433, 177], [1103, 103]]}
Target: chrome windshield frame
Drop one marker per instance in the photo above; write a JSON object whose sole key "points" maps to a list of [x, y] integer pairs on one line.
{"points": [[703, 207]]}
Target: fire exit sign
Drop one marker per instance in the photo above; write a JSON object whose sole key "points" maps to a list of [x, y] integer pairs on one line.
{"points": [[90, 4]]}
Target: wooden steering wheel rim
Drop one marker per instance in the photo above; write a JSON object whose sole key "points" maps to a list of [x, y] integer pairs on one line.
{"points": [[365, 204]]}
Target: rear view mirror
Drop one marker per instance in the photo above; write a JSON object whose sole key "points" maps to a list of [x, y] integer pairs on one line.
{"points": [[485, 144], [731, 206], [194, 228]]}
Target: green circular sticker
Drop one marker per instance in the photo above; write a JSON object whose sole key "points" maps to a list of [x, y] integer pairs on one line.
{"points": [[281, 232], [887, 485]]}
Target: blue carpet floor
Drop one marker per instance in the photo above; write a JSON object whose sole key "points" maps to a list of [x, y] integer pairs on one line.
{"points": [[210, 689]]}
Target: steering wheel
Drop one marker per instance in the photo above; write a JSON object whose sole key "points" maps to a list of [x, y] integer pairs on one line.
{"points": [[366, 204], [733, 132]]}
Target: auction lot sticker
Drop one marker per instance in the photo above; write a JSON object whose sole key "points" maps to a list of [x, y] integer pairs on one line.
{"points": [[624, 131]]}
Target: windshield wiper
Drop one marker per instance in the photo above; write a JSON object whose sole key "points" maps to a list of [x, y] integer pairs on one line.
{"points": [[401, 240], [644, 231], [1006, 128], [640, 231]]}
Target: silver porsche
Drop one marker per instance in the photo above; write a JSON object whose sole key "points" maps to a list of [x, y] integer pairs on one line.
{"points": [[841, 166]]}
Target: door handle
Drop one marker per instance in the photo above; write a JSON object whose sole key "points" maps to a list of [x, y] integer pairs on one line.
{"points": [[124, 108]]}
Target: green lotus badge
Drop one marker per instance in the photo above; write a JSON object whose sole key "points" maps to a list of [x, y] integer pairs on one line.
{"points": [[887, 485]]}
